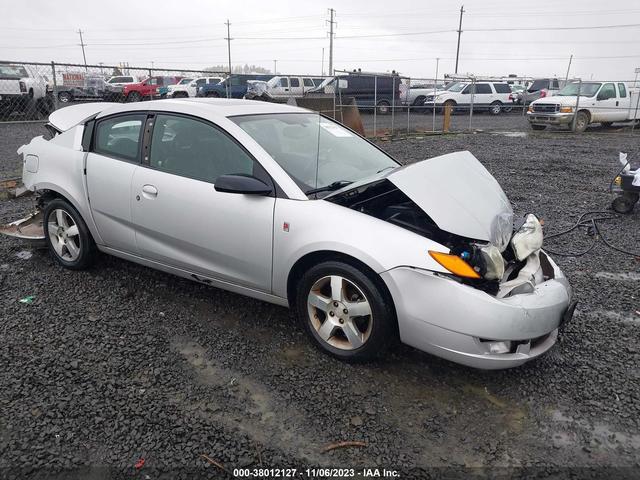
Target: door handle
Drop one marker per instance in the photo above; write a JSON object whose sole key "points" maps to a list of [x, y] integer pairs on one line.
{"points": [[149, 191], [617, 103]]}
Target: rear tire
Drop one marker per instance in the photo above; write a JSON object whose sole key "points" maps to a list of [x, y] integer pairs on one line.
{"points": [[134, 97], [67, 235], [346, 312], [213, 94], [495, 108], [383, 107]]}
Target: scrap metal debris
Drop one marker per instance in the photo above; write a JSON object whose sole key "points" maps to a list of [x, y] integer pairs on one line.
{"points": [[213, 462]]}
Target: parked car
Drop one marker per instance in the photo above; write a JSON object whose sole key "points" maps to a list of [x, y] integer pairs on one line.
{"points": [[151, 87], [416, 94], [235, 86], [248, 196], [369, 90], [92, 88], [540, 88], [190, 89], [281, 88], [489, 96], [183, 83], [115, 85], [22, 90], [600, 102]]}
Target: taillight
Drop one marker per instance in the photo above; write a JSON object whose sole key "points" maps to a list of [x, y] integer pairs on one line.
{"points": [[510, 96], [543, 93], [23, 86]]}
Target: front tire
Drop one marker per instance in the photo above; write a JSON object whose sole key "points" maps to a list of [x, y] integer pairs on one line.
{"points": [[625, 202], [134, 97], [67, 236], [581, 122], [383, 107], [64, 97], [346, 312]]}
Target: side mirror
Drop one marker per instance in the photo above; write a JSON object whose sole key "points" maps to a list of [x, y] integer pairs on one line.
{"points": [[239, 183]]}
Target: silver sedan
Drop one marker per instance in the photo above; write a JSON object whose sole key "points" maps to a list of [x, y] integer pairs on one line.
{"points": [[290, 207]]}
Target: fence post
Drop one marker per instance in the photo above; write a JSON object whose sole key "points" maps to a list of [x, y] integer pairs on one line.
{"points": [[435, 91], [393, 102], [55, 86], [408, 90], [473, 93], [575, 114], [446, 120], [375, 103]]}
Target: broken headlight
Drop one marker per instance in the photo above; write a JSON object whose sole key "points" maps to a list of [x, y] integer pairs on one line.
{"points": [[528, 238], [493, 262], [501, 230]]}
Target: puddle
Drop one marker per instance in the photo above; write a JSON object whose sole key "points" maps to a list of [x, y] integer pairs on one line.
{"points": [[601, 434], [511, 134], [24, 254], [620, 277]]}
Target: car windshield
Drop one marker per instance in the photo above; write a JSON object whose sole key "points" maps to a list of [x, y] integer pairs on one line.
{"points": [[13, 71], [456, 87], [587, 89], [184, 81], [315, 151]]}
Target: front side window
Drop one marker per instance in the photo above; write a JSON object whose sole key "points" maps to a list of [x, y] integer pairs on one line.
{"points": [[315, 151], [456, 87], [195, 149], [483, 88], [119, 136], [308, 82], [623, 90], [607, 91], [284, 82], [295, 82]]}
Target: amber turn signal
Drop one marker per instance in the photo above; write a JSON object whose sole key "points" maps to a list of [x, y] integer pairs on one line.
{"points": [[454, 264]]}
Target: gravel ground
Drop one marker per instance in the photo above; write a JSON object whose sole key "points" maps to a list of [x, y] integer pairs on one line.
{"points": [[121, 363]]}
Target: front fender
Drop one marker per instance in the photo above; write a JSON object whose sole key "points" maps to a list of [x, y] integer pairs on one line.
{"points": [[306, 226]]}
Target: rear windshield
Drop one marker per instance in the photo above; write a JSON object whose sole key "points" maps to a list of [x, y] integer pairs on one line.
{"points": [[13, 71]]}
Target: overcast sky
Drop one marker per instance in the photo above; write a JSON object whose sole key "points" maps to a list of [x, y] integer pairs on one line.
{"points": [[373, 35]]}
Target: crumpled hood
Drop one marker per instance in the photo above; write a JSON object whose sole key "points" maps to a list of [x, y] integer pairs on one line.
{"points": [[457, 192]]}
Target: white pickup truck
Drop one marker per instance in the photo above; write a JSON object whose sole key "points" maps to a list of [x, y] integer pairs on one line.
{"points": [[599, 102], [22, 89]]}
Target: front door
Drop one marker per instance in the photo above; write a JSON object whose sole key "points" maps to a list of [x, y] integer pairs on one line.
{"points": [[111, 163], [605, 106], [182, 221]]}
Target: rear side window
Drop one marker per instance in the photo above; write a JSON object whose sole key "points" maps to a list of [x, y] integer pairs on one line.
{"points": [[502, 88], [318, 81], [190, 148], [295, 82], [623, 90], [119, 137], [483, 88], [284, 82], [307, 82]]}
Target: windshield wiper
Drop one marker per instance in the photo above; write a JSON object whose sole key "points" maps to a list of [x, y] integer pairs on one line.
{"points": [[329, 188], [386, 168]]}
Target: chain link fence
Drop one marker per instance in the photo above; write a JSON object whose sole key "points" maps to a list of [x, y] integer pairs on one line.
{"points": [[31, 91], [375, 104]]}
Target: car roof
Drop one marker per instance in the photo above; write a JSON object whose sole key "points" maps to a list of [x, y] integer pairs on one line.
{"points": [[218, 106]]}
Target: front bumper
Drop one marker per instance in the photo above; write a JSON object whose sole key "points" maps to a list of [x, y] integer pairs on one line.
{"points": [[455, 321], [542, 118]]}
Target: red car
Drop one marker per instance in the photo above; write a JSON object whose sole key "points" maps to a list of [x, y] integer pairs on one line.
{"points": [[151, 87]]}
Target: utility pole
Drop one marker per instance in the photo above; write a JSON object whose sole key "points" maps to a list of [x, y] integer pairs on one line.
{"points": [[566, 78], [331, 23], [228, 39], [275, 67], [82, 44], [459, 34], [322, 70]]}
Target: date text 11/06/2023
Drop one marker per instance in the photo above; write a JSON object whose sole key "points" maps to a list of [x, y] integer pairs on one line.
{"points": [[315, 473]]}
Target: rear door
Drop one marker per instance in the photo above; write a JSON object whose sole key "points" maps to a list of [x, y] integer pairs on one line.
{"points": [[182, 221], [307, 84], [295, 87], [112, 160], [484, 95]]}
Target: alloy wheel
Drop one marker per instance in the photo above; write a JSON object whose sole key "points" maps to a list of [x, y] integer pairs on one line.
{"points": [[64, 235], [339, 312]]}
